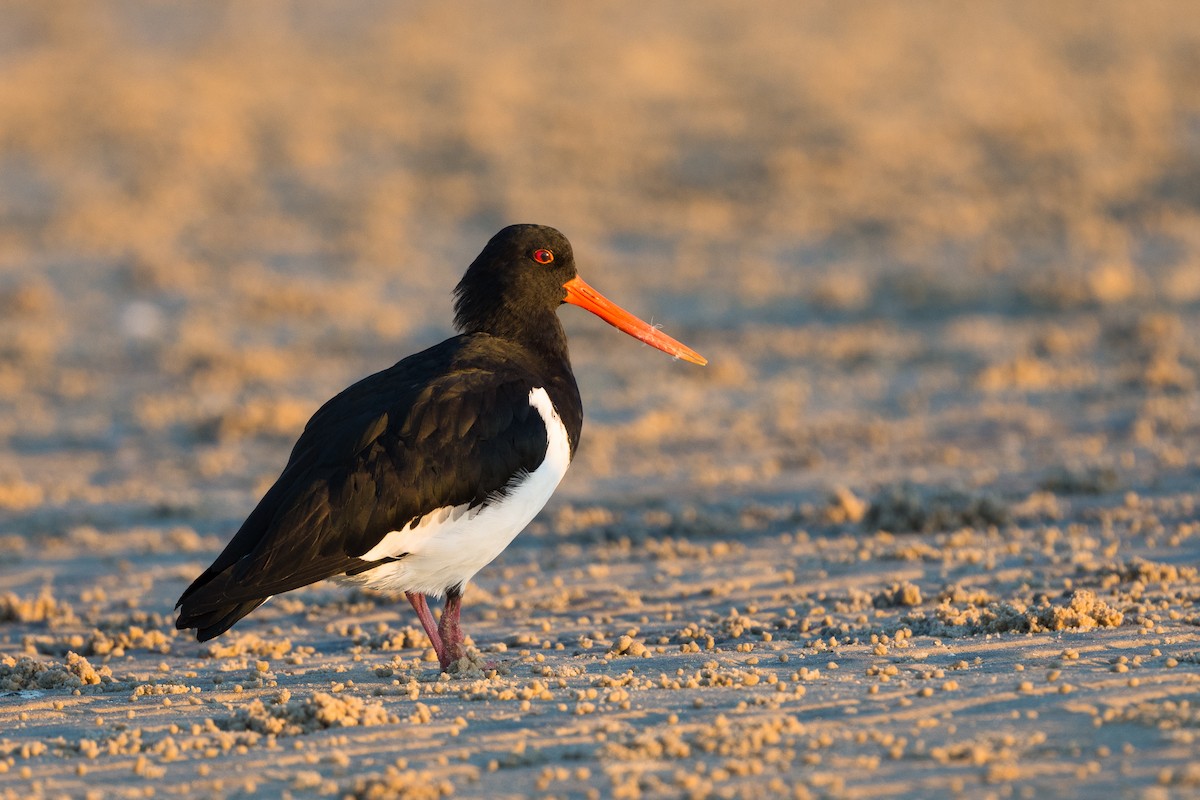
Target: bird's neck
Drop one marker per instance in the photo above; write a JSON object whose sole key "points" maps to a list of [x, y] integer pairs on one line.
{"points": [[539, 332]]}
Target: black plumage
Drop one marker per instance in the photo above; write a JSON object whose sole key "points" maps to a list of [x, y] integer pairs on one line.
{"points": [[447, 427]]}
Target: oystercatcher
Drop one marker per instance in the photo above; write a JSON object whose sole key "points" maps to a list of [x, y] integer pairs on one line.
{"points": [[415, 478]]}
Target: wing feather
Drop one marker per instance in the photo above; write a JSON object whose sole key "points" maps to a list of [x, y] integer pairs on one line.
{"points": [[374, 459]]}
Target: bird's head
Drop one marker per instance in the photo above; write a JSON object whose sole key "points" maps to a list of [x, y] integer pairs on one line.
{"points": [[526, 270]]}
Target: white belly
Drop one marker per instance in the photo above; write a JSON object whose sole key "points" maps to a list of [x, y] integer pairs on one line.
{"points": [[448, 546]]}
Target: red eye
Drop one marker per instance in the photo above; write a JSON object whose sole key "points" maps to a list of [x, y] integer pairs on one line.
{"points": [[543, 256]]}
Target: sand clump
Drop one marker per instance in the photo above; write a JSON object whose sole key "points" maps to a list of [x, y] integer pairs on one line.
{"points": [[898, 595], [473, 665], [24, 674], [714, 629], [284, 715], [389, 639], [1082, 611], [104, 642], [729, 750], [43, 607], [628, 646], [1148, 572], [246, 644], [395, 783], [842, 506]]}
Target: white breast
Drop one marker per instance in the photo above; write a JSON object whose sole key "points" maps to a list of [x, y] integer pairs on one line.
{"points": [[449, 545]]}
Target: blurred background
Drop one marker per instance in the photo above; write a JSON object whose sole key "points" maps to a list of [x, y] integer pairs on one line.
{"points": [[924, 240]]}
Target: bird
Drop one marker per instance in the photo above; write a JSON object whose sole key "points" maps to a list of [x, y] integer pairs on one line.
{"points": [[414, 478]]}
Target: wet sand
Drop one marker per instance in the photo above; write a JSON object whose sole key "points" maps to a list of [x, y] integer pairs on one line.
{"points": [[926, 526]]}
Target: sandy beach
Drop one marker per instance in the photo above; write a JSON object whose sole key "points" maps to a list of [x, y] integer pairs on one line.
{"points": [[926, 526]]}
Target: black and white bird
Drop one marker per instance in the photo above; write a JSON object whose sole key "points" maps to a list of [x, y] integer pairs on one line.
{"points": [[415, 478]]}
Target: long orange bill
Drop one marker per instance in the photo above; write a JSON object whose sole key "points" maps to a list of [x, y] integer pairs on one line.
{"points": [[584, 296]]}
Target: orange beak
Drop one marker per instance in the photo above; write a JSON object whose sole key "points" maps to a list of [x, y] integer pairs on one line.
{"points": [[584, 296]]}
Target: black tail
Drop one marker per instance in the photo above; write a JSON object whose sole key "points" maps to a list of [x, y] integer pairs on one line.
{"points": [[210, 624], [254, 567], [206, 607], [224, 594]]}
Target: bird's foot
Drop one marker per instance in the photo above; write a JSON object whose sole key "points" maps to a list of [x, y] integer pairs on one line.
{"points": [[421, 606], [446, 635], [453, 644], [473, 664]]}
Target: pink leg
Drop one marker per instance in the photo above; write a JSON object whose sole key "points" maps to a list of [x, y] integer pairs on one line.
{"points": [[450, 632], [420, 605]]}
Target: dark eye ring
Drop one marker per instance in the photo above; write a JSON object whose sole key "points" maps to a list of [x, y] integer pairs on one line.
{"points": [[543, 256]]}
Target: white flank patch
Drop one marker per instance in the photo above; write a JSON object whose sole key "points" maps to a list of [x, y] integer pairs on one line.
{"points": [[449, 545]]}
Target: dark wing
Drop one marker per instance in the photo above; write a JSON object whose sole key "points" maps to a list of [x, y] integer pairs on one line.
{"points": [[380, 455]]}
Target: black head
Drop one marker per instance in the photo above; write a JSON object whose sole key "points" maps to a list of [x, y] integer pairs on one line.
{"points": [[517, 280]]}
